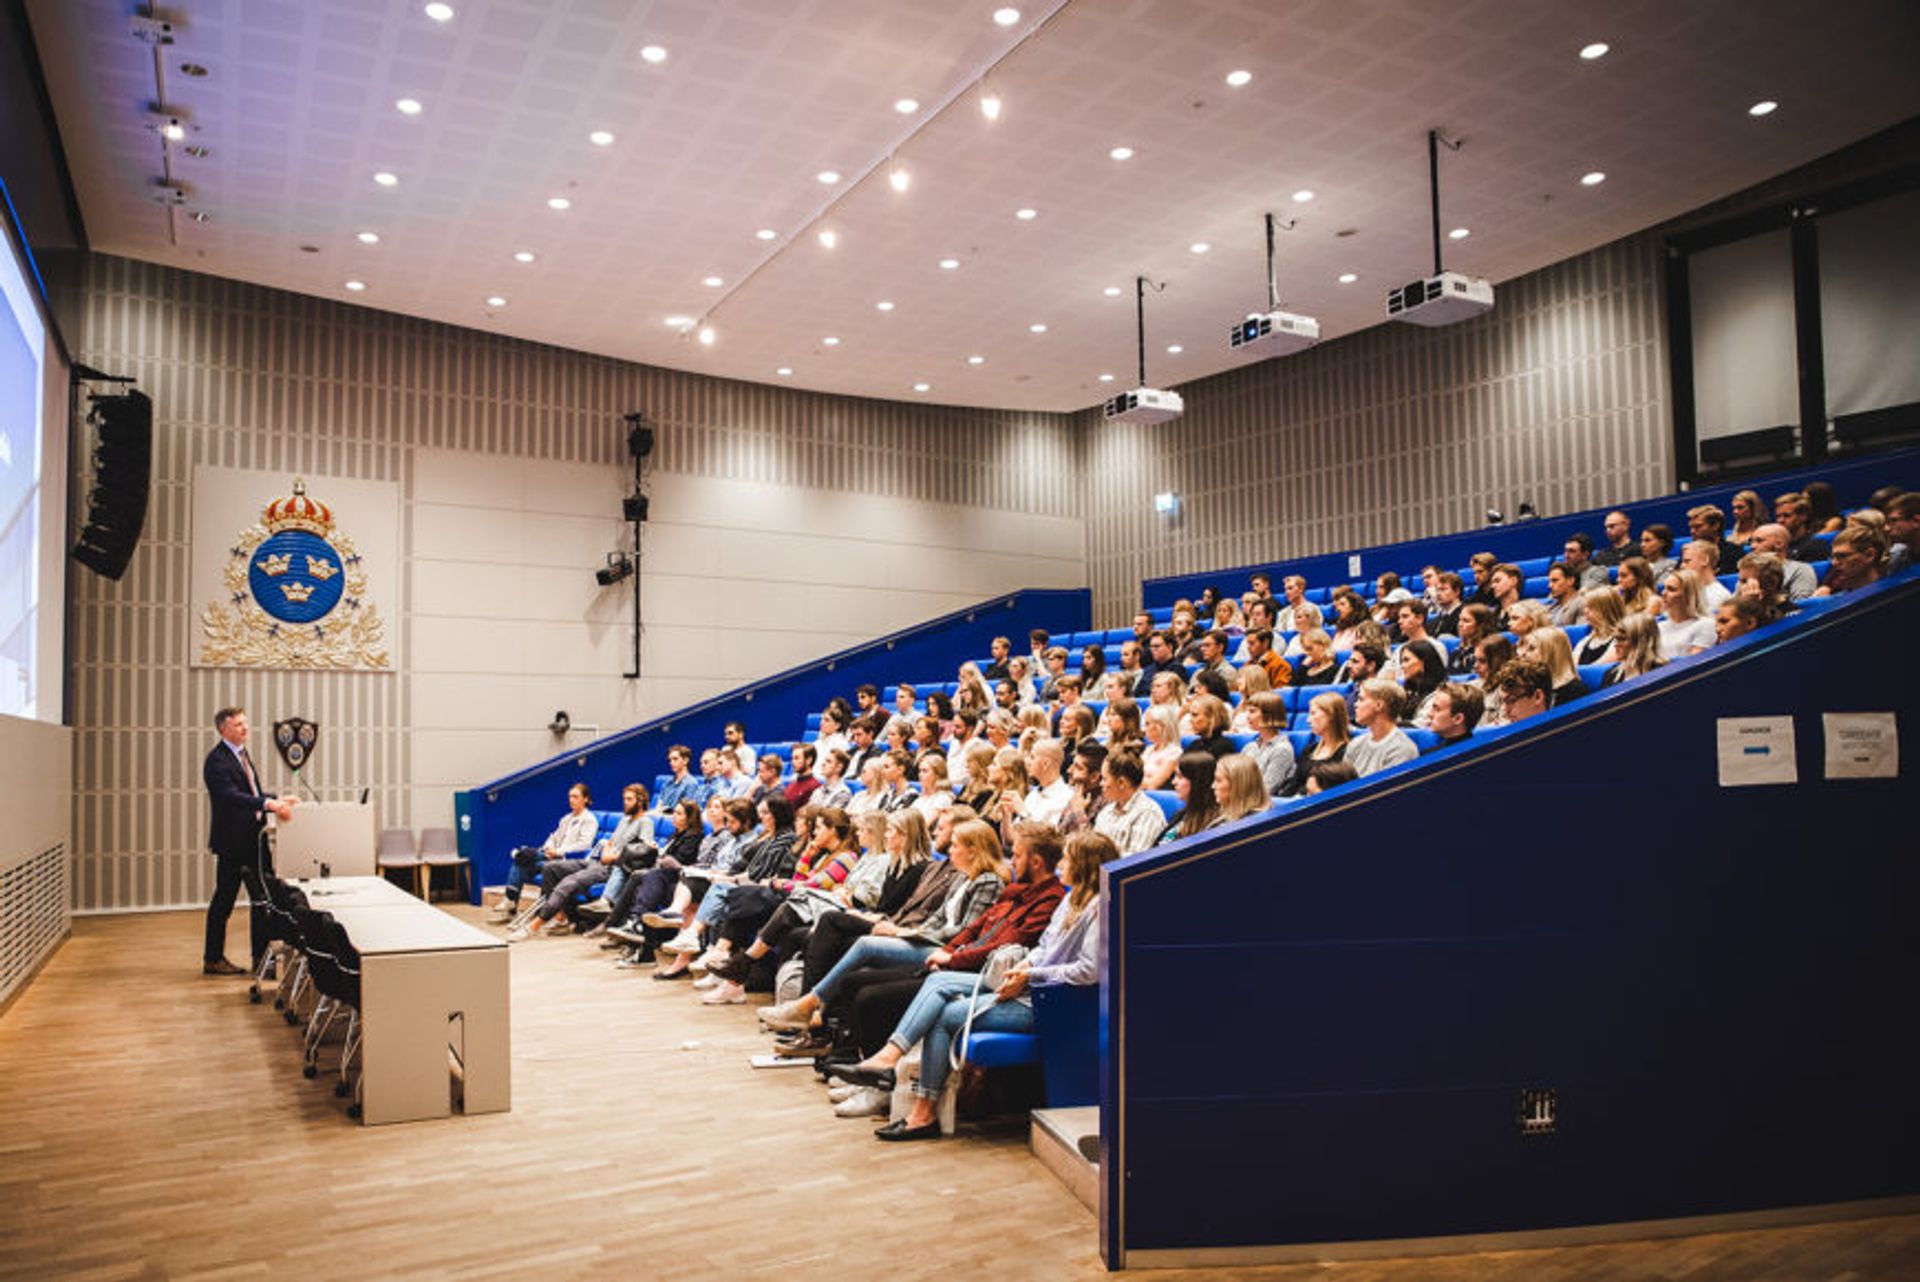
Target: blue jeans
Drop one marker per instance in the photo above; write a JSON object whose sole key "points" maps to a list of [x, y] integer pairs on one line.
{"points": [[711, 904], [938, 1016], [615, 879], [883, 951]]}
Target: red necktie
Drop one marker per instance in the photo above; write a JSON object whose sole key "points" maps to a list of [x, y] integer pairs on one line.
{"points": [[252, 781]]}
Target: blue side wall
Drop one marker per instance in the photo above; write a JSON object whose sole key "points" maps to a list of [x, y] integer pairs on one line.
{"points": [[1852, 481], [1320, 1025], [522, 808]]}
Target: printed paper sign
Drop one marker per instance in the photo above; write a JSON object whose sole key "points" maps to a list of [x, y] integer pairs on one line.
{"points": [[1353, 567], [1756, 750], [1862, 745]]}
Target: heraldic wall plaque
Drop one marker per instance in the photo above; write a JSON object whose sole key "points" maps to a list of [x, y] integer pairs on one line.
{"points": [[302, 578]]}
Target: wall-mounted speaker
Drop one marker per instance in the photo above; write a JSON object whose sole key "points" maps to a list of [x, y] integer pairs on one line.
{"points": [[122, 472]]}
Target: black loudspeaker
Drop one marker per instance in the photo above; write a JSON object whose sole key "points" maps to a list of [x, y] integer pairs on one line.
{"points": [[634, 507], [122, 471]]}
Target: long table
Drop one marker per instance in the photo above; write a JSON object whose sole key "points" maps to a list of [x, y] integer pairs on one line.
{"points": [[433, 1002]]}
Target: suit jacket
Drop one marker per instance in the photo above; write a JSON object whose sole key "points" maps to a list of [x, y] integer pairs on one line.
{"points": [[239, 810]]}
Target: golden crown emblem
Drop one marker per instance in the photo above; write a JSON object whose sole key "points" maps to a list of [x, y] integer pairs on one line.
{"points": [[296, 592], [275, 563], [298, 512]]}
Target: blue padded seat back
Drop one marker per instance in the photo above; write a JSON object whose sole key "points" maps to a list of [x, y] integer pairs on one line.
{"points": [[1167, 800]]}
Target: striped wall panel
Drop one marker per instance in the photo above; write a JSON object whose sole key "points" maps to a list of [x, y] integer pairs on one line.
{"points": [[248, 377], [1558, 397]]}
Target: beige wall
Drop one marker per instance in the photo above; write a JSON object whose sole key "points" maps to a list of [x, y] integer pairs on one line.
{"points": [[36, 796]]}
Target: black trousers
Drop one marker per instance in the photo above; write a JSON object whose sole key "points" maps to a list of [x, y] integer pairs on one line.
{"points": [[873, 1002], [832, 935], [644, 892], [229, 875]]}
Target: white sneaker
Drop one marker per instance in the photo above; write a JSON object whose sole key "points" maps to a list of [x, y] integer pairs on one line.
{"points": [[518, 933], [503, 910], [841, 1091], [707, 981], [785, 1018], [725, 993], [684, 942], [866, 1101], [561, 926]]}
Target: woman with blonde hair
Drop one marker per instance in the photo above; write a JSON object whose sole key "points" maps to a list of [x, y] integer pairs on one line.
{"points": [[1238, 789], [1749, 514], [1524, 616], [1250, 681], [936, 794], [1551, 647], [1007, 777], [1688, 627], [1327, 718], [1604, 610], [977, 762], [1636, 649], [1162, 726], [1636, 587], [1227, 617], [1317, 665]]}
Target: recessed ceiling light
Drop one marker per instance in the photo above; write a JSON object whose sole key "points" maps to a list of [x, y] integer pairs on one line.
{"points": [[440, 12], [600, 138], [828, 176], [1199, 247], [707, 336], [173, 131], [906, 106], [386, 179], [1006, 16], [829, 238], [356, 285], [1765, 107], [1026, 215], [830, 341], [1593, 179], [494, 300], [949, 264], [1239, 78], [679, 322], [923, 387], [1347, 278], [1598, 49], [899, 179], [369, 238], [1174, 349], [653, 53], [713, 282], [976, 360], [1459, 233], [408, 106], [1106, 378], [1038, 327], [1121, 153], [1111, 291], [884, 305], [785, 371], [559, 202], [766, 233], [523, 256], [990, 105], [1302, 196]]}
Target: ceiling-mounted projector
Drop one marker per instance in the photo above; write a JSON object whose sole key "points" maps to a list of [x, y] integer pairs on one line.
{"points": [[1274, 334], [1144, 405], [1440, 300]]}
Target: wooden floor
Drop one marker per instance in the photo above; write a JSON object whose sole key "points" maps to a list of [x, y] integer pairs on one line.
{"points": [[154, 1125]]}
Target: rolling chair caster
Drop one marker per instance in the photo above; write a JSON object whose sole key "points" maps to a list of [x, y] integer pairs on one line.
{"points": [[353, 1111], [253, 995], [309, 1071], [291, 1018], [341, 1090]]}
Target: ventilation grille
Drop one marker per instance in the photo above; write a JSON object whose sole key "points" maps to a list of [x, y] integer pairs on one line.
{"points": [[33, 915]]}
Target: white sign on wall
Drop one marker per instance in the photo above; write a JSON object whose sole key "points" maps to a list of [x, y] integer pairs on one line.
{"points": [[293, 572], [1862, 745], [1756, 750]]}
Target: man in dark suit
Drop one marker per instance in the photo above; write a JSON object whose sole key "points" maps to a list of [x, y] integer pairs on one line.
{"points": [[236, 837]]}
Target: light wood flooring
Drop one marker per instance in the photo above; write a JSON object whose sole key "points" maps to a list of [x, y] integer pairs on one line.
{"points": [[153, 1124]]}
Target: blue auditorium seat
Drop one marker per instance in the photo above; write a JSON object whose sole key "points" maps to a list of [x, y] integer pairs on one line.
{"points": [[1536, 587], [1241, 741], [1425, 740], [1161, 615], [1593, 675], [1533, 566], [1117, 636], [1578, 632], [1301, 740], [813, 721], [1168, 802], [1820, 569]]}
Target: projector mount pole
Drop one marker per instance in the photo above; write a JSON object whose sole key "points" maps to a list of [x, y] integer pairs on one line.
{"points": [[1140, 324], [1273, 274], [1433, 188]]}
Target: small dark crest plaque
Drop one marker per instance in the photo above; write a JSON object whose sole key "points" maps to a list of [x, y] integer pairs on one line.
{"points": [[295, 738]]}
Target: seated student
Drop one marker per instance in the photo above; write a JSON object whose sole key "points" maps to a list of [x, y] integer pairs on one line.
{"points": [[1526, 689], [734, 737], [1737, 616], [629, 846], [904, 712], [766, 781], [1212, 654], [1580, 565], [895, 791], [1422, 672], [574, 835], [1162, 728], [1476, 625], [1300, 618], [1636, 587], [1490, 656], [1038, 643], [1211, 719], [683, 786], [999, 654], [1239, 790], [1377, 711], [1564, 594], [1524, 617], [1702, 557], [833, 732], [1603, 612], [749, 930], [1551, 647], [1856, 555], [1349, 612], [1454, 711], [1636, 649], [1688, 625], [983, 875], [1128, 817], [1120, 726], [800, 791], [1193, 784], [1506, 583], [1327, 718], [1618, 528], [1047, 802], [1656, 549], [1271, 752], [1823, 508], [1448, 588], [1903, 531], [1481, 565], [1160, 658], [1322, 775], [1227, 619], [1707, 523], [832, 775], [651, 889], [1007, 791], [1253, 680], [973, 789], [948, 1001], [936, 794], [1796, 577], [1410, 623], [769, 855], [1748, 514], [1317, 666], [729, 781]]}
